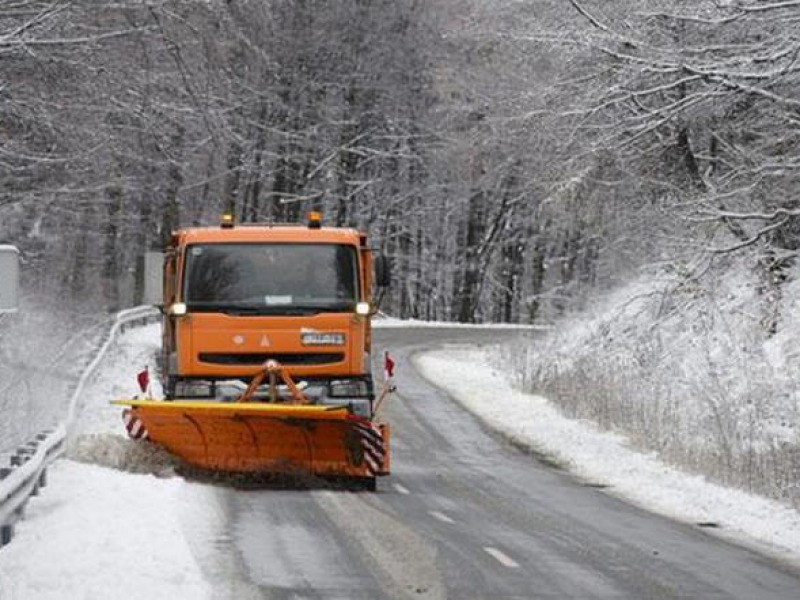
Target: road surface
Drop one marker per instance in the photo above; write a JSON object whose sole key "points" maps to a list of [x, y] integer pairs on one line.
{"points": [[465, 516]]}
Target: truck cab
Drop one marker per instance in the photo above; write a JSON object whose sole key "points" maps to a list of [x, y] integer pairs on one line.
{"points": [[236, 296]]}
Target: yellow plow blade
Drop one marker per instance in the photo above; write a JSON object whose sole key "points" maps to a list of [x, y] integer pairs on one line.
{"points": [[265, 437]]}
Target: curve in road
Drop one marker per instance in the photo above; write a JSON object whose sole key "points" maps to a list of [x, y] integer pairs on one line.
{"points": [[466, 515]]}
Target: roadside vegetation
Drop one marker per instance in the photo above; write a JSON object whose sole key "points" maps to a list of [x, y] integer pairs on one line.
{"points": [[685, 368]]}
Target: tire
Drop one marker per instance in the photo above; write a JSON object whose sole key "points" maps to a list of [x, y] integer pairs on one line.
{"points": [[367, 484]]}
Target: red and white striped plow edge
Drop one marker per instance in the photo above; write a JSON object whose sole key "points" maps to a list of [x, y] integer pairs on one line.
{"points": [[134, 425], [372, 444]]}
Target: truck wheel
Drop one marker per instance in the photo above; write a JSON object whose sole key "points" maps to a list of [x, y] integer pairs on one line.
{"points": [[358, 484], [365, 484]]}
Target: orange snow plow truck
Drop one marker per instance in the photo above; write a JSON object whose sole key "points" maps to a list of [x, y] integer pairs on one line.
{"points": [[266, 362]]}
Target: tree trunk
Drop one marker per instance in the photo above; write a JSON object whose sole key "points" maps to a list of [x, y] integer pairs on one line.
{"points": [[467, 297]]}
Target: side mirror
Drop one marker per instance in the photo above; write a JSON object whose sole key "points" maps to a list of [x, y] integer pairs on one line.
{"points": [[383, 271], [9, 278], [152, 289]]}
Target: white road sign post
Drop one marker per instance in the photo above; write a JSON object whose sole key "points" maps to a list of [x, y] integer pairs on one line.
{"points": [[9, 278]]}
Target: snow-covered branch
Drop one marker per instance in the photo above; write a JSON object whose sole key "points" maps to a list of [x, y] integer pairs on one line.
{"points": [[752, 239], [11, 41]]}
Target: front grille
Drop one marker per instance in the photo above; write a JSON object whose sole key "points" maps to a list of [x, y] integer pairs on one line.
{"points": [[319, 358]]}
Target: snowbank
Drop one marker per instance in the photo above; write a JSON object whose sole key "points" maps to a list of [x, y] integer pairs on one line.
{"points": [[111, 522], [100, 533]]}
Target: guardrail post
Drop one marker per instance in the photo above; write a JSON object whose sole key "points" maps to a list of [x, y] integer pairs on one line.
{"points": [[6, 533], [22, 455]]}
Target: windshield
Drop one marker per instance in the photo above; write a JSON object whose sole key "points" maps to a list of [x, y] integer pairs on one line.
{"points": [[270, 278]]}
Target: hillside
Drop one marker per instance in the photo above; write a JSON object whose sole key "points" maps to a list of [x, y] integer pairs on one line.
{"points": [[703, 371]]}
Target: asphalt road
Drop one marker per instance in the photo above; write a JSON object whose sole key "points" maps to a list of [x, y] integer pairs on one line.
{"points": [[467, 516]]}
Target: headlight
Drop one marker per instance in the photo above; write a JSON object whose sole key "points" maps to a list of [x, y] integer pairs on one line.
{"points": [[314, 338], [178, 309]]}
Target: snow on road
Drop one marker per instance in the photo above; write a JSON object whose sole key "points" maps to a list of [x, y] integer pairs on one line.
{"points": [[384, 322], [606, 459]]}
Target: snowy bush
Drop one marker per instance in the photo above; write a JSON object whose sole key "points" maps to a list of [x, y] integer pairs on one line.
{"points": [[702, 370]]}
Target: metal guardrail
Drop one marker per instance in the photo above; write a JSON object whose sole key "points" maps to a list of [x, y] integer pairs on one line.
{"points": [[125, 319], [27, 471], [25, 476]]}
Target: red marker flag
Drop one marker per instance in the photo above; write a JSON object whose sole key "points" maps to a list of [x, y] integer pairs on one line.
{"points": [[144, 379], [388, 365]]}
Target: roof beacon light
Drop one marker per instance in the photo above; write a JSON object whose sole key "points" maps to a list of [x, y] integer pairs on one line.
{"points": [[227, 221], [314, 219]]}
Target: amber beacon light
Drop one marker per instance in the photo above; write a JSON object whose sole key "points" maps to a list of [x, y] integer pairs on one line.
{"points": [[314, 219]]}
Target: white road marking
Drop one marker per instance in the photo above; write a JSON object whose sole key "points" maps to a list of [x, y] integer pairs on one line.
{"points": [[403, 490], [440, 516], [501, 557]]}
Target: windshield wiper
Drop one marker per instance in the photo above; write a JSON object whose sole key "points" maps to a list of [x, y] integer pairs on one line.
{"points": [[271, 310], [274, 309]]}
